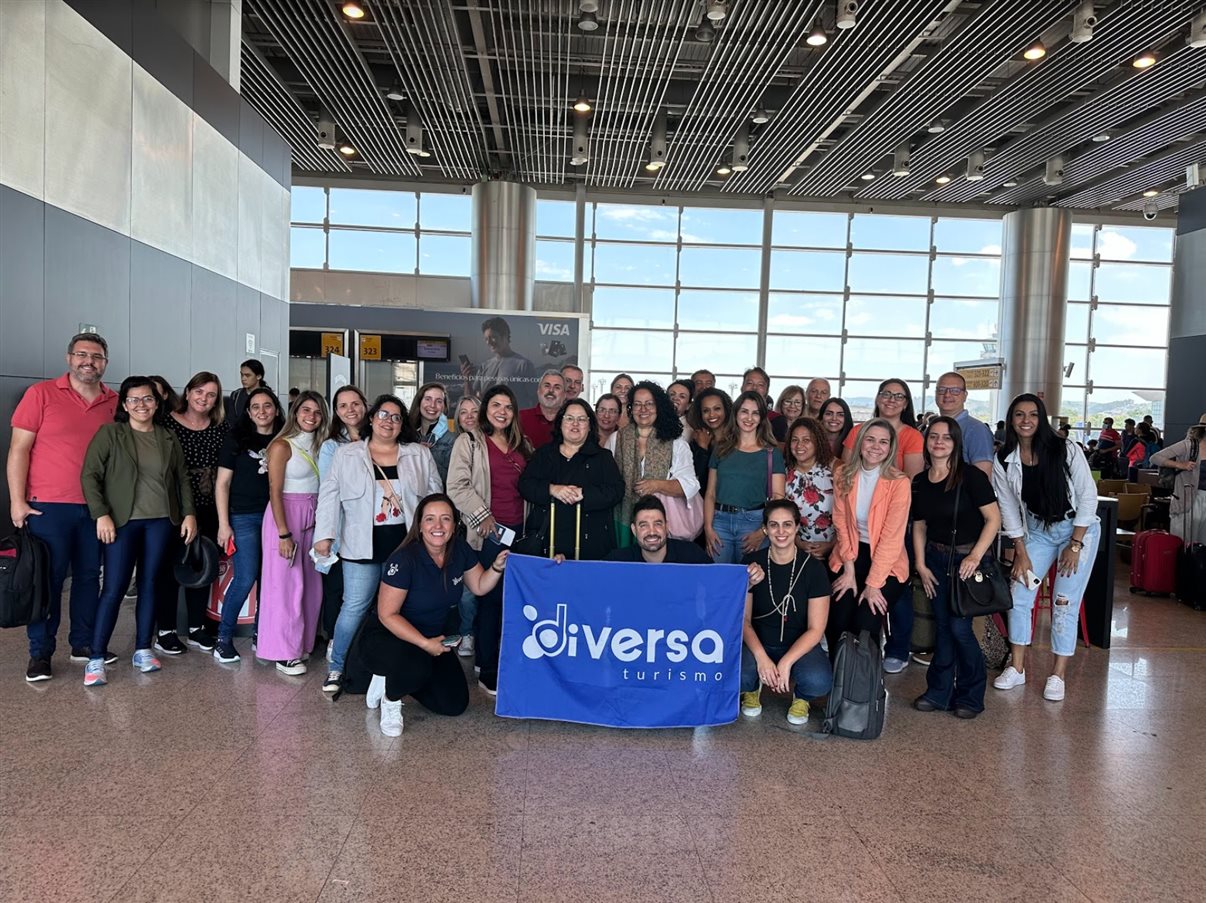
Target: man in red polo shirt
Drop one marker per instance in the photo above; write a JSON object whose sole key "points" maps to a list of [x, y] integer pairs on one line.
{"points": [[537, 422], [52, 426]]}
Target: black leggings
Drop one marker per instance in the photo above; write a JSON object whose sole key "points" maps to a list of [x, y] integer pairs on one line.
{"points": [[846, 614], [437, 682]]}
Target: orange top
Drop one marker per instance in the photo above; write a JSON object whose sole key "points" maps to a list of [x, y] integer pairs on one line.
{"points": [[886, 523], [909, 441]]}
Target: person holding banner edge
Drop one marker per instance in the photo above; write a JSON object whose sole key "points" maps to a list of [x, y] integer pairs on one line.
{"points": [[785, 618]]}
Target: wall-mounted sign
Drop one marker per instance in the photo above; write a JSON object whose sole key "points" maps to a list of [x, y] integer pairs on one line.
{"points": [[981, 377], [370, 347], [332, 343]]}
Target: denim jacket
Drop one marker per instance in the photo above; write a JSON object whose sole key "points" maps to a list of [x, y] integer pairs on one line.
{"points": [[1007, 481]]}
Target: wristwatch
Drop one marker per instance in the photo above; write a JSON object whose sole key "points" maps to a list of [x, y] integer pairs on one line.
{"points": [[1076, 545]]}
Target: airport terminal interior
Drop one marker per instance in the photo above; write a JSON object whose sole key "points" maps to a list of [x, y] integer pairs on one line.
{"points": [[866, 194]]}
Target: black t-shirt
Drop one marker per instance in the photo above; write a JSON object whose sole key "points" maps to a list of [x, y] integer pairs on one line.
{"points": [[935, 505], [249, 473], [776, 627], [430, 592], [678, 551]]}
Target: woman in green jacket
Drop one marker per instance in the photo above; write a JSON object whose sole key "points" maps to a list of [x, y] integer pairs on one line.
{"points": [[137, 489]]}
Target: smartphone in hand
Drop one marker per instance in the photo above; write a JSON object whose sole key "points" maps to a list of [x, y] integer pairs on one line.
{"points": [[504, 536], [451, 641]]}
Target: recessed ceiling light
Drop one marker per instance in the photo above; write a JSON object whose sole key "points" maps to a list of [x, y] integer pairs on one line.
{"points": [[760, 116], [582, 105], [395, 92], [943, 179], [1151, 193], [867, 176], [817, 37], [352, 10], [723, 169], [1145, 60], [654, 165], [938, 127], [1010, 183], [347, 150], [588, 22], [1104, 136], [717, 10], [1035, 51]]}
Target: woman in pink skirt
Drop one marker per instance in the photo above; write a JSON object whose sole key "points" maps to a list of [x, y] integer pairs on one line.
{"points": [[290, 588]]}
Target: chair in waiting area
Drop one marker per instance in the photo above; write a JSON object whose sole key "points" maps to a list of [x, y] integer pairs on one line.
{"points": [[1044, 599], [1139, 489], [1110, 487], [1130, 508]]}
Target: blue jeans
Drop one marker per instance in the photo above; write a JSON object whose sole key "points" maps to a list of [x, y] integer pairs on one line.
{"points": [[246, 561], [1043, 545], [956, 676], [468, 609], [70, 536], [731, 527], [811, 673], [360, 582], [900, 614], [147, 542]]}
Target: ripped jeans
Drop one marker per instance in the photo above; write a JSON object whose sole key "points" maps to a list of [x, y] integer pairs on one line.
{"points": [[1044, 544]]}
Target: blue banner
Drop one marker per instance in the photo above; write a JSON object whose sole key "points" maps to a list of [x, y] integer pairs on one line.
{"points": [[621, 644]]}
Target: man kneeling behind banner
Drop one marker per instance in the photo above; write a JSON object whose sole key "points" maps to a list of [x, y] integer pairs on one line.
{"points": [[621, 645]]}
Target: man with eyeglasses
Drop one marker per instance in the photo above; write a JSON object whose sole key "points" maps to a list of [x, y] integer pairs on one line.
{"points": [[537, 421], [573, 376], [52, 426], [951, 395]]}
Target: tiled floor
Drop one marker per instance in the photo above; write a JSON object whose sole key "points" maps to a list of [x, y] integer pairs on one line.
{"points": [[209, 782]]}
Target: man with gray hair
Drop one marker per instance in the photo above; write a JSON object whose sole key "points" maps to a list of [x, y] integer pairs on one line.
{"points": [[573, 380], [815, 396], [537, 422]]}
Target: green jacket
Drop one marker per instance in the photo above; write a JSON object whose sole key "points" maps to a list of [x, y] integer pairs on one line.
{"points": [[111, 472]]}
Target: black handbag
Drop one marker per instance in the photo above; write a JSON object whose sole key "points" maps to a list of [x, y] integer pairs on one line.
{"points": [[985, 592]]}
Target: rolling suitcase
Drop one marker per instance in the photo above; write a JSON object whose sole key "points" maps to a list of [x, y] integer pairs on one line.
{"points": [[1154, 563], [1191, 569]]}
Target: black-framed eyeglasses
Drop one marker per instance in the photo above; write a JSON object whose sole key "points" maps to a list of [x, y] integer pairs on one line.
{"points": [[892, 396], [386, 416], [83, 356], [137, 401], [949, 390]]}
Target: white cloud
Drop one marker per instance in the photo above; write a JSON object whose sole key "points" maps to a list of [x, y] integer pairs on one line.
{"points": [[553, 272], [1112, 245], [636, 214]]}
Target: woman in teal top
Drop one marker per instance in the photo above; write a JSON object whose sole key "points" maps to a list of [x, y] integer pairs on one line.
{"points": [[745, 472]]}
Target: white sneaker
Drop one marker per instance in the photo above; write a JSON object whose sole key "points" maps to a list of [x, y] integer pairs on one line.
{"points": [[1054, 691], [391, 718], [1009, 678], [465, 650], [376, 690]]}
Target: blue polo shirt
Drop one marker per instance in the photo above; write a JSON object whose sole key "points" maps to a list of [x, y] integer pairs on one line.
{"points": [[430, 592], [977, 438]]}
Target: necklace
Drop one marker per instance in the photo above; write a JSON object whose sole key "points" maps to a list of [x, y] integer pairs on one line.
{"points": [[787, 601]]}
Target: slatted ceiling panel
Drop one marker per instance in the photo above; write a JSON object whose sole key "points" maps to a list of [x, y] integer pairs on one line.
{"points": [[748, 54], [841, 80], [1180, 72], [1153, 134], [964, 60], [1167, 169], [269, 96], [1067, 68], [1167, 200]]}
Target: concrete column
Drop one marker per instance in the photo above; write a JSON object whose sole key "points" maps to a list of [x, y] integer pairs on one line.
{"points": [[1183, 403], [1034, 288], [503, 267]]}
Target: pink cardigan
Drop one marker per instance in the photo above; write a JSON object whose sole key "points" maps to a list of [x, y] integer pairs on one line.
{"points": [[886, 524]]}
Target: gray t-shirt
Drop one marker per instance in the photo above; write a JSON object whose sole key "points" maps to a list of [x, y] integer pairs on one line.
{"points": [[150, 494], [513, 370]]}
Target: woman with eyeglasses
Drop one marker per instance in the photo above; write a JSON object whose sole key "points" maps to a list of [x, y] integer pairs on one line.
{"points": [[955, 523], [809, 484], [651, 453], [200, 426], [836, 423], [746, 471], [137, 489], [790, 405], [573, 476], [366, 502], [607, 416], [429, 421], [242, 495], [290, 594], [483, 481], [894, 404], [1049, 509]]}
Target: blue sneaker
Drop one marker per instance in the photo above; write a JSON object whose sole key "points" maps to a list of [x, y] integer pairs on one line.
{"points": [[144, 660], [94, 673]]}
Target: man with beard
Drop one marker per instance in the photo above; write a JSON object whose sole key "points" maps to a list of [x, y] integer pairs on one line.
{"points": [[537, 421], [653, 542]]}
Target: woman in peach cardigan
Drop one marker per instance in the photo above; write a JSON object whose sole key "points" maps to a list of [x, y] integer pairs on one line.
{"points": [[870, 510]]}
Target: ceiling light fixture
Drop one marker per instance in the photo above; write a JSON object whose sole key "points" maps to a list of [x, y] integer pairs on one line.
{"points": [[717, 10], [588, 6], [938, 127], [1145, 60], [817, 37], [943, 179], [347, 149], [581, 151], [657, 143], [582, 105], [724, 169], [588, 22], [352, 10], [760, 117], [395, 92], [1035, 51], [1197, 31], [901, 161], [846, 10], [1102, 138], [868, 177], [1010, 183], [704, 32], [741, 150], [1152, 193], [975, 166], [1083, 22]]}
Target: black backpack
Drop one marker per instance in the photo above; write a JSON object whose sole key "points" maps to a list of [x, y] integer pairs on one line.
{"points": [[858, 698], [24, 580]]}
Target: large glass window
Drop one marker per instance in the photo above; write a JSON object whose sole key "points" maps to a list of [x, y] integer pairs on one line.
{"points": [[308, 205], [307, 247], [805, 229], [363, 207], [375, 252]]}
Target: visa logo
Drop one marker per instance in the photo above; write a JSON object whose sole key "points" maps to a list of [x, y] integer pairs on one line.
{"points": [[554, 329]]}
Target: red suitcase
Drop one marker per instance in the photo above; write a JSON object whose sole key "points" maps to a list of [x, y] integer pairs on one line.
{"points": [[1154, 562]]}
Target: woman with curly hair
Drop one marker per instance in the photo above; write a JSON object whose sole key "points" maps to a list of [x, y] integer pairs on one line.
{"points": [[651, 453], [810, 485]]}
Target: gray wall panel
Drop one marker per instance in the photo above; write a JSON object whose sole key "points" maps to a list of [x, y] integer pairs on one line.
{"points": [[252, 184], [160, 288], [216, 343], [160, 50], [113, 18], [251, 133], [215, 100], [23, 99], [161, 211], [87, 281], [22, 283], [247, 316], [215, 200], [1188, 314], [11, 390]]}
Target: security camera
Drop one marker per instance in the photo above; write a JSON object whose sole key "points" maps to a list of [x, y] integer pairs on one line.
{"points": [[1054, 173], [1150, 209], [975, 166], [846, 14], [326, 133], [1083, 23]]}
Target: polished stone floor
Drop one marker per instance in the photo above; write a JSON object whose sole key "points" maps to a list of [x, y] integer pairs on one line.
{"points": [[208, 782]]}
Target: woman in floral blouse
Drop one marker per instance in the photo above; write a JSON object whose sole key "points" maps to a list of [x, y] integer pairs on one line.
{"points": [[810, 485]]}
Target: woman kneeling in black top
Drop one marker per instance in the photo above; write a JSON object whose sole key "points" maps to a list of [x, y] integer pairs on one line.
{"points": [[956, 677], [404, 645]]}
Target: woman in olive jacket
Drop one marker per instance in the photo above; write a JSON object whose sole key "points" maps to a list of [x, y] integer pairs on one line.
{"points": [[137, 489], [569, 472]]}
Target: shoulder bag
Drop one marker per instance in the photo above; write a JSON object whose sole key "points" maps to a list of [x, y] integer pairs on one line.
{"points": [[985, 592]]}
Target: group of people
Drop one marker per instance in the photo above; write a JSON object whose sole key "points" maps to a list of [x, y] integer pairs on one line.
{"points": [[386, 528]]}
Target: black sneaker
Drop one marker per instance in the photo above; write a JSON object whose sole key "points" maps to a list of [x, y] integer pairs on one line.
{"points": [[489, 683], [110, 657], [169, 644], [80, 654], [225, 652], [202, 639], [39, 669]]}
